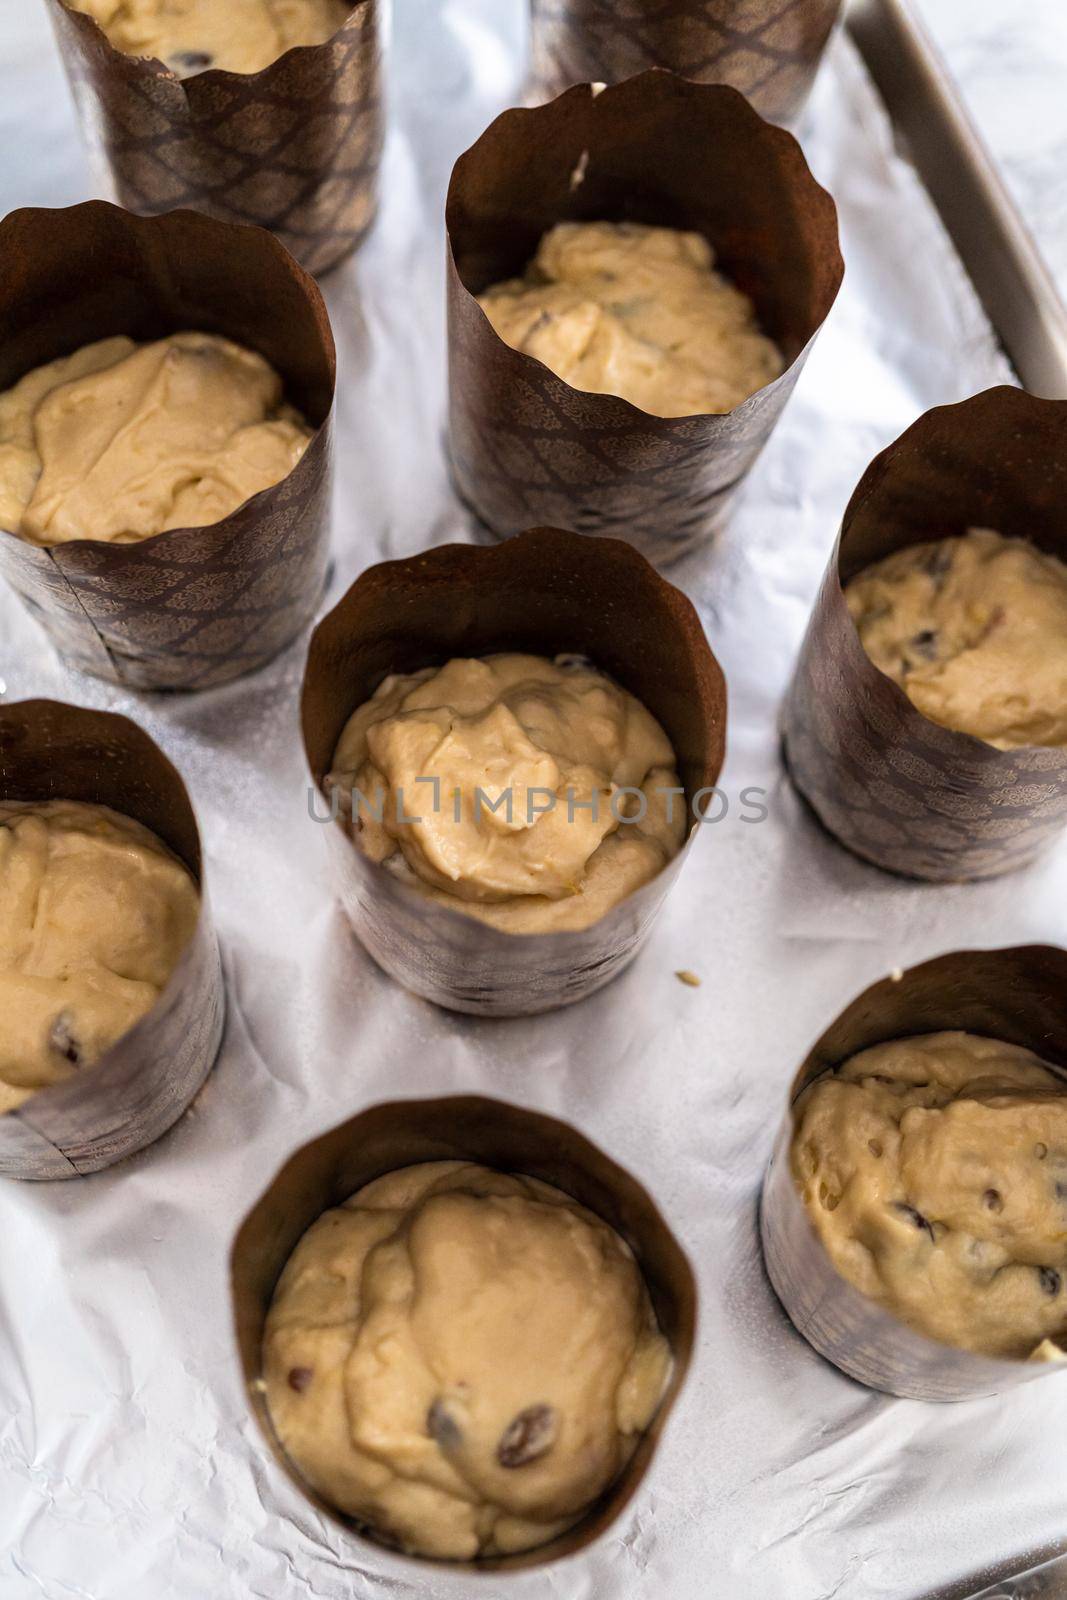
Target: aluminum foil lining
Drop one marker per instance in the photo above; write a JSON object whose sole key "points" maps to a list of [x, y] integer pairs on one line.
{"points": [[130, 1466]]}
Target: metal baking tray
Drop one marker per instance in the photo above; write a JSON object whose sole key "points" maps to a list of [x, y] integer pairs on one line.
{"points": [[129, 1464], [941, 139], [939, 136]]}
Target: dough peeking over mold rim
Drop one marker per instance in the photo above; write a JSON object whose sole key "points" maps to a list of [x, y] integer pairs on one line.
{"points": [[120, 441], [640, 312], [934, 1171], [974, 630], [463, 1360], [531, 794], [190, 36], [95, 913]]}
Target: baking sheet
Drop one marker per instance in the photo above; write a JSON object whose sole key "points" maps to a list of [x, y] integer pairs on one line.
{"points": [[129, 1467], [983, 216]]}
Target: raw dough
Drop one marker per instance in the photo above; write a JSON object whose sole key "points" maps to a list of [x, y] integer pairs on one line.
{"points": [[120, 441], [935, 1172], [619, 308], [539, 731], [974, 629], [94, 914], [238, 35], [461, 1359]]}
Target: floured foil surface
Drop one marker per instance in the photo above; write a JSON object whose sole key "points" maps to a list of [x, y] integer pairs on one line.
{"points": [[129, 1466]]}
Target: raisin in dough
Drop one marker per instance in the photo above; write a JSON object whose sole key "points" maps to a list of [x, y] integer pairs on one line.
{"points": [[120, 441], [545, 740], [94, 914], [619, 308], [191, 35], [935, 1172], [974, 629], [462, 1360]]}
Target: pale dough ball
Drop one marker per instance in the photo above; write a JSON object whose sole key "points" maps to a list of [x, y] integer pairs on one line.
{"points": [[462, 1360], [94, 914], [120, 441], [974, 629], [189, 36], [639, 312], [496, 786], [935, 1172]]}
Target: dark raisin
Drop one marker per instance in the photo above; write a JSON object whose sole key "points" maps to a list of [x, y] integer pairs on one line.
{"points": [[442, 1427], [1051, 1281], [992, 1200], [916, 1218], [300, 1377], [924, 644], [62, 1040], [184, 61], [938, 560], [528, 1436]]}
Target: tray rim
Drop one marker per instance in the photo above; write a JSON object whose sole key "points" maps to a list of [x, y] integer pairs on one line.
{"points": [[984, 221]]}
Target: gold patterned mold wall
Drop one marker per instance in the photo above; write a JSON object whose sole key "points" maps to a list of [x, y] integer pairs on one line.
{"points": [[527, 448], [769, 49], [381, 1139], [294, 148], [891, 786], [192, 607], [1018, 995], [143, 1083]]}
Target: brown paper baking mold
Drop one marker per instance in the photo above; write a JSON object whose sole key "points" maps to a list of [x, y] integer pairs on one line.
{"points": [[889, 784], [769, 49], [141, 1086], [528, 448], [194, 607], [470, 1128], [294, 148], [550, 593], [1018, 995]]}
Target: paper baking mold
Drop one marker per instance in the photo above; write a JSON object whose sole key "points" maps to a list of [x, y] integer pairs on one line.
{"points": [[895, 788], [529, 449], [492, 1133], [193, 607], [144, 1082], [1018, 995], [549, 593]]}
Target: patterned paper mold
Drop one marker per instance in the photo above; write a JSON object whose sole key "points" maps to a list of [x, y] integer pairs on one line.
{"points": [[549, 593], [142, 1085], [294, 148], [1018, 995], [889, 784], [528, 448], [193, 607], [492, 1133], [769, 49]]}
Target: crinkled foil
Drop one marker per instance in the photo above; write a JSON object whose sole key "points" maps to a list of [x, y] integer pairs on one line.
{"points": [[130, 1467]]}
